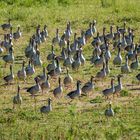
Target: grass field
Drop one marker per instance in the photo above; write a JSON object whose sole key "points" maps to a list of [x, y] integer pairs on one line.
{"points": [[84, 118]]}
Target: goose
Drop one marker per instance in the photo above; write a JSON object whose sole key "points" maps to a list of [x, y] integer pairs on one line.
{"points": [[43, 37], [74, 45], [77, 63], [67, 32], [17, 100], [38, 36], [102, 37], [17, 34], [45, 31], [52, 65], [96, 40], [107, 52], [63, 53], [118, 59], [69, 27], [82, 58], [88, 87], [109, 112], [21, 74], [132, 54], [42, 77], [9, 58], [6, 26], [97, 50], [81, 40], [8, 44], [75, 93], [118, 87], [135, 64], [30, 69], [9, 78], [99, 61], [68, 61], [10, 35], [129, 37], [109, 91], [138, 77], [137, 47], [125, 68], [62, 42], [89, 32], [123, 30], [57, 92], [110, 36], [52, 54], [117, 40], [107, 67], [37, 61], [102, 73], [48, 108], [131, 46], [68, 47], [123, 42], [68, 80], [94, 30], [45, 85], [34, 89], [56, 39], [1, 50], [58, 68]]}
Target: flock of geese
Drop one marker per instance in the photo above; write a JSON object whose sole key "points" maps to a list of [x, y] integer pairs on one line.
{"points": [[71, 58]]}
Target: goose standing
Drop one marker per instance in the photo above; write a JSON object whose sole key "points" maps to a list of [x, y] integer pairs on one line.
{"points": [[17, 34], [125, 68], [56, 39], [118, 59], [17, 100], [135, 64], [30, 69], [9, 78], [89, 32], [88, 87], [21, 74], [57, 92], [68, 80], [109, 91], [75, 93], [45, 85], [77, 63], [52, 54], [41, 78], [6, 26], [48, 108]]}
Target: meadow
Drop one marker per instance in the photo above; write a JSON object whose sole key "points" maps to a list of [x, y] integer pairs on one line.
{"points": [[84, 118]]}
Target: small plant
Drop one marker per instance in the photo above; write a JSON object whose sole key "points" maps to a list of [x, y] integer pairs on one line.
{"points": [[124, 93]]}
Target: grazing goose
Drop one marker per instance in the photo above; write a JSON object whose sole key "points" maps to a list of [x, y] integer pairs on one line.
{"points": [[17, 100], [102, 73], [42, 77], [56, 39], [9, 58], [30, 69], [135, 64], [17, 34], [9, 78], [75, 93], [51, 55], [45, 85], [6, 26], [34, 89], [48, 108], [21, 74], [57, 92], [125, 68], [88, 87], [68, 80], [109, 91], [118, 87], [89, 32], [77, 63], [109, 112], [118, 59]]}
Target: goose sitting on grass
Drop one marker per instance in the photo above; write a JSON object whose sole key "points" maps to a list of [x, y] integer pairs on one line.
{"points": [[17, 100], [109, 112], [9, 78], [109, 91], [48, 108], [75, 93]]}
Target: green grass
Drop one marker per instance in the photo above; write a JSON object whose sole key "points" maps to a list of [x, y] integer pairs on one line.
{"points": [[84, 118]]}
